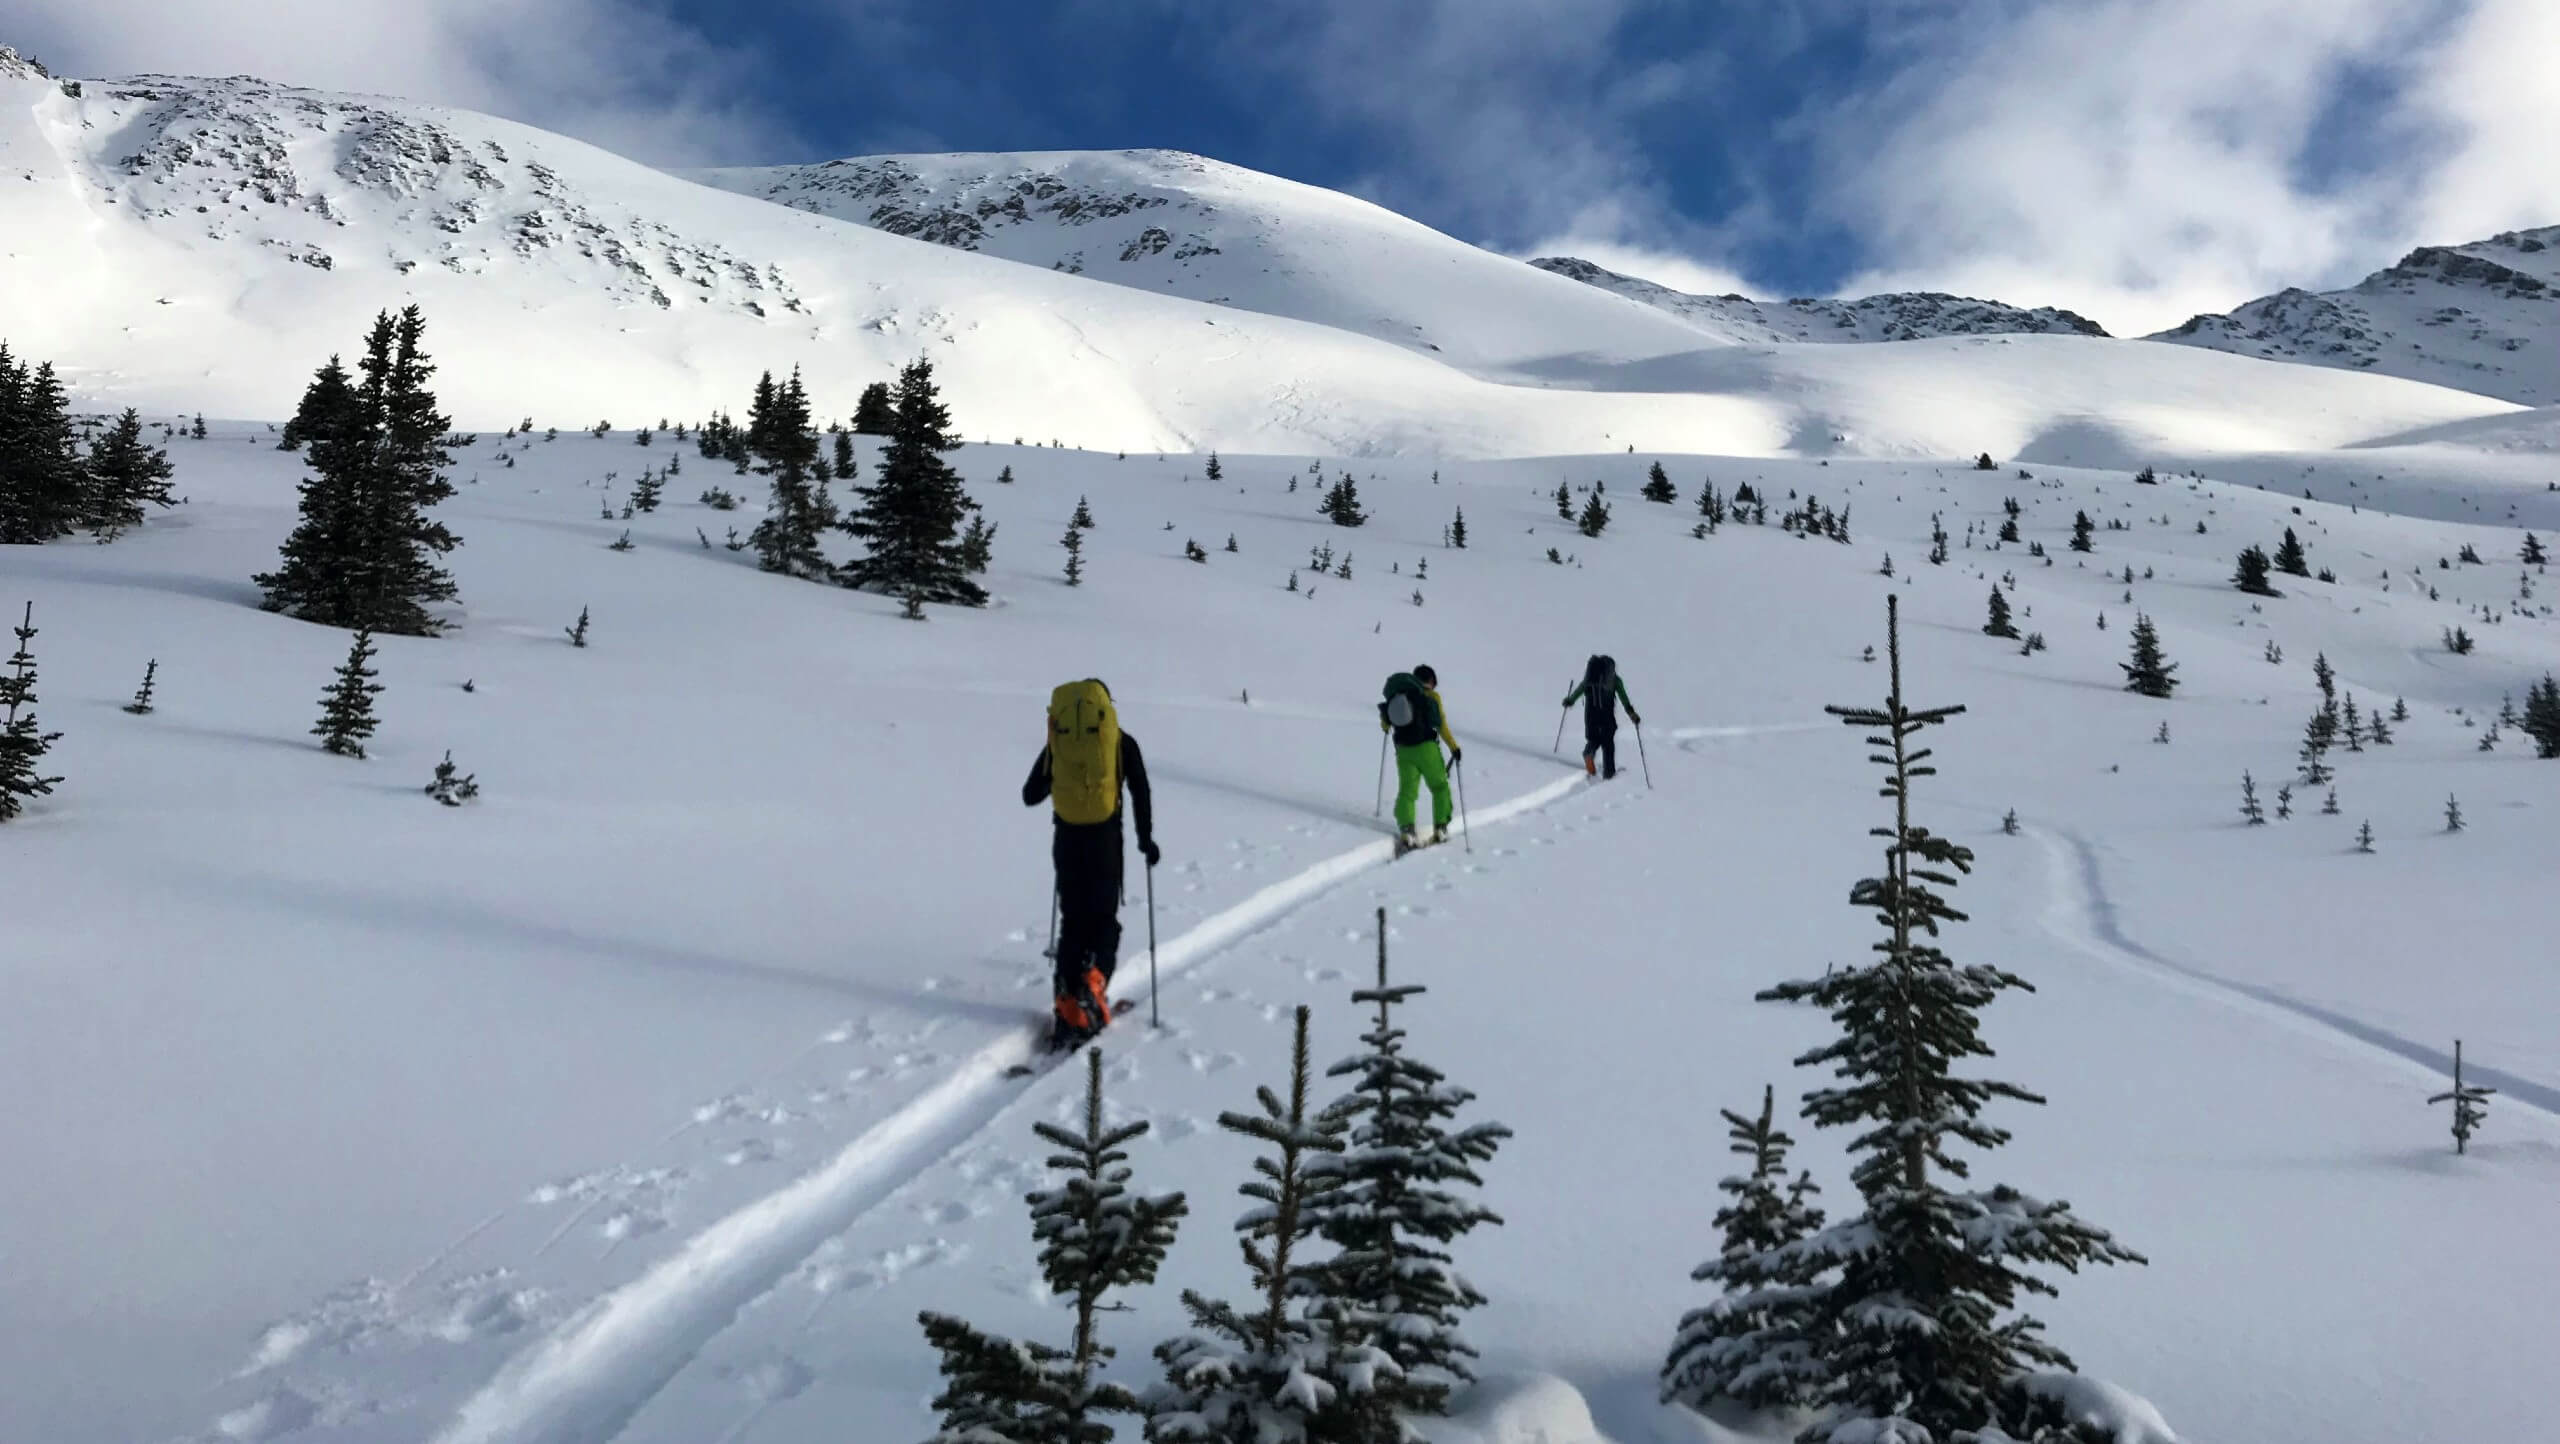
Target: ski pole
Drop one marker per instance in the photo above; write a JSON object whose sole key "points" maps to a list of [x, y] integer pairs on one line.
{"points": [[1380, 808], [1640, 757], [1465, 835], [1562, 712], [1052, 949], [1154, 1019]]}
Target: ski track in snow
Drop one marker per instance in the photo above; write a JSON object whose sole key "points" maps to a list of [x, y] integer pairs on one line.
{"points": [[585, 1382], [2082, 914]]}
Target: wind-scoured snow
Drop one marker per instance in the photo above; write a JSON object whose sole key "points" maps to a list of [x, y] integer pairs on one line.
{"points": [[1896, 316], [2483, 317]]}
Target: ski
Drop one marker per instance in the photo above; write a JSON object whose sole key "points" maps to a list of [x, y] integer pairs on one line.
{"points": [[1050, 1057]]}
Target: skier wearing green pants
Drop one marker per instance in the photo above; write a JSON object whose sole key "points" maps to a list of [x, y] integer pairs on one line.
{"points": [[1412, 715]]}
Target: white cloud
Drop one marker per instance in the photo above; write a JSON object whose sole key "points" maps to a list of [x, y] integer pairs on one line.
{"points": [[627, 76], [2142, 160]]}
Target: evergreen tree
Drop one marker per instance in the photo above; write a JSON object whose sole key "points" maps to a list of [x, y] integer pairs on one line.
{"points": [[452, 786], [978, 545], [2542, 716], [1342, 503], [2325, 677], [141, 704], [1711, 506], [1082, 520], [363, 555], [1074, 543], [1458, 530], [578, 633], [2000, 625], [2290, 559], [2364, 837], [645, 493], [1658, 487], [1275, 1374], [1390, 1205], [2452, 814], [1595, 516], [346, 709], [2318, 735], [1985, 463], [44, 490], [23, 743], [1231, 541], [799, 511], [2008, 529], [845, 464], [124, 475], [1213, 471], [2255, 815], [2533, 554], [911, 516], [874, 414], [2252, 574], [326, 404], [1911, 1329], [2284, 801], [1754, 1346], [2081, 530], [2148, 673], [2470, 1104], [1937, 541], [2457, 641], [2353, 725], [1564, 501]]}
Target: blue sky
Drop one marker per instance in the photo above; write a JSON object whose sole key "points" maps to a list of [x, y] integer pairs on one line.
{"points": [[2138, 160]]}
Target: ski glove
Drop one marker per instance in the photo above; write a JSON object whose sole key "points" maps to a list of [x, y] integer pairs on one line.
{"points": [[1150, 852], [1457, 755], [1632, 717]]}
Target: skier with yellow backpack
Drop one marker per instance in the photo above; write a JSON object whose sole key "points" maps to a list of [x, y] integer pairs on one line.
{"points": [[1080, 772]]}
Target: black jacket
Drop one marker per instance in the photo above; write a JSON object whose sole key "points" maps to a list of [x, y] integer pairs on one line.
{"points": [[1133, 777]]}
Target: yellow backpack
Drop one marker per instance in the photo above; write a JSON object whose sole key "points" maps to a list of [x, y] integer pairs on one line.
{"points": [[1084, 752]]}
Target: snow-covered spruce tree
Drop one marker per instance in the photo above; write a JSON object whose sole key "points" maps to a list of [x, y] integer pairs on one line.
{"points": [[1911, 1329], [2148, 673], [1074, 543], [1754, 1346], [1564, 501], [346, 709], [1095, 1236], [363, 555], [2458, 641], [2541, 720], [1595, 516], [1082, 518], [2008, 529], [326, 404], [798, 512], [2290, 558], [874, 414], [1213, 471], [2081, 533], [1458, 530], [646, 492], [1658, 487], [452, 786], [43, 486], [124, 475], [1274, 1375], [2000, 625], [2252, 574], [1392, 1207], [140, 706], [2470, 1104], [910, 517], [23, 743]]}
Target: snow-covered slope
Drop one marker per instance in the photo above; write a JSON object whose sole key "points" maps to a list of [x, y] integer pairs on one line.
{"points": [[1898, 316], [650, 1097], [2484, 317], [203, 244]]}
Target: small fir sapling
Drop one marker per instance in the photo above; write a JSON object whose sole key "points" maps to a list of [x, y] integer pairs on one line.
{"points": [[578, 634], [2033, 644], [2452, 814], [1711, 506], [2000, 624], [1658, 487], [2009, 529], [1755, 1346], [2275, 654], [978, 545], [2352, 723], [2290, 558], [2081, 529], [2329, 804], [644, 493], [1555, 556], [1005, 477], [1595, 516], [1985, 463], [2469, 555], [1342, 503], [141, 703], [2009, 822], [23, 743], [2470, 1104], [1213, 471], [1194, 551], [720, 498], [1293, 579], [451, 786], [1231, 541], [704, 537], [1887, 568], [346, 708], [622, 543], [2533, 554], [1344, 571], [2148, 673], [1937, 541], [1073, 541], [2507, 709], [735, 542], [2377, 730], [2541, 719], [2250, 811], [1564, 501], [2252, 574], [2162, 736], [2284, 801], [2364, 837], [1457, 530], [1082, 520], [2489, 738], [2457, 641]]}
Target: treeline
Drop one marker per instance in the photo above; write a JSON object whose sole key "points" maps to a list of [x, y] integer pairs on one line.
{"points": [[60, 477]]}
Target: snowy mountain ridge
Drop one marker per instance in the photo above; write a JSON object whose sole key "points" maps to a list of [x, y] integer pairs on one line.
{"points": [[2482, 317], [1893, 316]]}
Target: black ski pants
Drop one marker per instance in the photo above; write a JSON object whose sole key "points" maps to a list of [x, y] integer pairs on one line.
{"points": [[1088, 858], [1603, 739]]}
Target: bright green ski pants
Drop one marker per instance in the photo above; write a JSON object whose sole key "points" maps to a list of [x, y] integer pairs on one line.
{"points": [[1415, 766]]}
